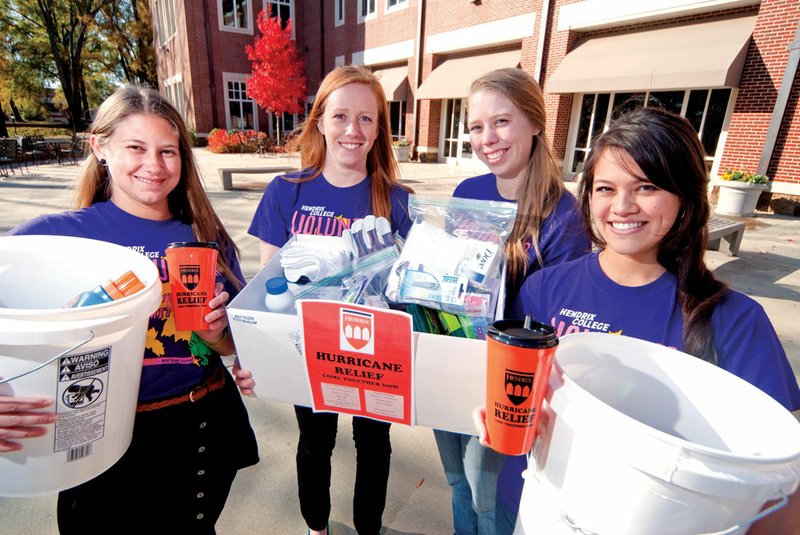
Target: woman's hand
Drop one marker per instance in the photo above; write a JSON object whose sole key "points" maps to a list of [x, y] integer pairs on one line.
{"points": [[217, 336], [17, 420], [244, 378], [479, 421]]}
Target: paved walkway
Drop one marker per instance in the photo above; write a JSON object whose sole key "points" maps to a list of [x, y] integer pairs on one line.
{"points": [[263, 499]]}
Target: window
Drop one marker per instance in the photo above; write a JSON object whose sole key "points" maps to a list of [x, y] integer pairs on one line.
{"points": [[391, 4], [704, 108], [339, 12], [173, 91], [456, 134], [281, 9], [165, 20], [397, 118], [366, 9], [234, 15], [240, 110]]}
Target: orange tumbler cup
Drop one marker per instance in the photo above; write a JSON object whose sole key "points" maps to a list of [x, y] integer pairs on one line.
{"points": [[519, 359], [192, 278]]}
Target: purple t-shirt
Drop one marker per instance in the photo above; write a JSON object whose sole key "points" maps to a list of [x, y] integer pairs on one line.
{"points": [[318, 207], [174, 361], [562, 236], [579, 297]]}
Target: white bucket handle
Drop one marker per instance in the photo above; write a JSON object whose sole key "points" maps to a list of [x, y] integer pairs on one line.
{"points": [[43, 364]]}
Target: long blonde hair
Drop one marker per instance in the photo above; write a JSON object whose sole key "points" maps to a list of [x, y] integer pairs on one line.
{"points": [[541, 188], [188, 202], [381, 162]]}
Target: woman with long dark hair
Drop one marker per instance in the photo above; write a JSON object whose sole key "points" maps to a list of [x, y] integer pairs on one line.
{"points": [[644, 196]]}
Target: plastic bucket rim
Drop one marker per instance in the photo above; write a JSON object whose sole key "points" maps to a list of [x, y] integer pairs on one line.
{"points": [[664, 437], [17, 313]]}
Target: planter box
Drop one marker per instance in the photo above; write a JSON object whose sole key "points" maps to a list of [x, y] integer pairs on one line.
{"points": [[738, 199], [402, 153], [449, 372]]}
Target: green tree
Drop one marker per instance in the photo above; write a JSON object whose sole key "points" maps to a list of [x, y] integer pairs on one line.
{"points": [[84, 46], [126, 26]]}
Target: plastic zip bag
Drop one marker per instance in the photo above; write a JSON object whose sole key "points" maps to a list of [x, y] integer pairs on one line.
{"points": [[363, 283], [453, 255]]}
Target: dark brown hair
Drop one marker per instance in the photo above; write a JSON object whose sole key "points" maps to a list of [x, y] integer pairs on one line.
{"points": [[668, 151]]}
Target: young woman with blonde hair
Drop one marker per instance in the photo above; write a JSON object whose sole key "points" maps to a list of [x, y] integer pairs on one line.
{"points": [[349, 172], [507, 130], [139, 187]]}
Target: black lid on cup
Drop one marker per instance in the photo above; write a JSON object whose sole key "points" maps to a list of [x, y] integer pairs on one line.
{"points": [[209, 244], [528, 334]]}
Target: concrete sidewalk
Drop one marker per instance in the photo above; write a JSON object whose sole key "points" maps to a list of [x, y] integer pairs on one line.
{"points": [[264, 497]]}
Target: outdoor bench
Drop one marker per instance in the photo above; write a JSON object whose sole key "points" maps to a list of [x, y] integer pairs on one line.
{"points": [[728, 229], [226, 173]]}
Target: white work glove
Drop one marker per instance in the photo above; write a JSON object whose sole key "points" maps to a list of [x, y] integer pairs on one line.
{"points": [[368, 235]]}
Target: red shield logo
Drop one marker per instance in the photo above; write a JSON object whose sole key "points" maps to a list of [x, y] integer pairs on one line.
{"points": [[357, 331]]}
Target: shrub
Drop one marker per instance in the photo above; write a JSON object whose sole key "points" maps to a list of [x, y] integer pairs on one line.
{"points": [[234, 141]]}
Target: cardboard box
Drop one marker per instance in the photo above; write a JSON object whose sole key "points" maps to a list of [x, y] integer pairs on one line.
{"points": [[450, 373]]}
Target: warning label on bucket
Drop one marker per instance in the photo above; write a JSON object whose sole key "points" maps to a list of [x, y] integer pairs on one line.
{"points": [[81, 401]]}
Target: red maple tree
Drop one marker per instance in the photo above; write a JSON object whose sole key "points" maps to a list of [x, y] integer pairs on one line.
{"points": [[277, 83]]}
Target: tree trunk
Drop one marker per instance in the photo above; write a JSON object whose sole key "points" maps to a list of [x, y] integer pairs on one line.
{"points": [[3, 129], [278, 138], [15, 111]]}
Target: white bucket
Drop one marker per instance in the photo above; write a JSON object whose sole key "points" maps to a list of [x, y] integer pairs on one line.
{"points": [[94, 386], [640, 438]]}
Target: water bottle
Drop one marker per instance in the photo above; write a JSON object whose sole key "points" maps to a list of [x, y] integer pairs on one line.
{"points": [[127, 284], [279, 299]]}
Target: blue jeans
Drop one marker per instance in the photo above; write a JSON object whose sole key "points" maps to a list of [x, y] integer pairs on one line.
{"points": [[471, 471]]}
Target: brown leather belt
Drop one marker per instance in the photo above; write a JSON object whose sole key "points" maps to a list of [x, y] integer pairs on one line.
{"points": [[213, 382]]}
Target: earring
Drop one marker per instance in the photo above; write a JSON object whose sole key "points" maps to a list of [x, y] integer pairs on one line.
{"points": [[102, 162]]}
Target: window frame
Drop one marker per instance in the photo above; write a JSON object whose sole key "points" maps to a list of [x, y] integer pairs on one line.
{"points": [[339, 12], [266, 3], [369, 15], [233, 29], [165, 22], [171, 86], [227, 78], [712, 160], [399, 5]]}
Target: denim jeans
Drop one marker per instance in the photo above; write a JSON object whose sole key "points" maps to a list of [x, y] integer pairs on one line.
{"points": [[471, 471], [314, 450]]}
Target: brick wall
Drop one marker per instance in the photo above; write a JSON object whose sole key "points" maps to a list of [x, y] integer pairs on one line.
{"points": [[558, 107], [761, 81], [446, 15]]}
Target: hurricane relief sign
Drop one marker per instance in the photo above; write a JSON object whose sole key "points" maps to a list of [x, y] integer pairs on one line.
{"points": [[358, 359]]}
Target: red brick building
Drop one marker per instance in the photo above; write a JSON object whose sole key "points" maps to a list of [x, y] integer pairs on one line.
{"points": [[729, 66]]}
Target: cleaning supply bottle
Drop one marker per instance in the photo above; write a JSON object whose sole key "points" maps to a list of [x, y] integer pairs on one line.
{"points": [[125, 285], [279, 299]]}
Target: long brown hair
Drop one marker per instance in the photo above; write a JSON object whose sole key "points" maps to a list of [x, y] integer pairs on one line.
{"points": [[669, 153], [188, 202], [541, 188], [381, 162]]}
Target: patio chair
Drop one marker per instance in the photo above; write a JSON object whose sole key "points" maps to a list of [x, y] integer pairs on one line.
{"points": [[10, 155], [34, 148], [68, 151]]}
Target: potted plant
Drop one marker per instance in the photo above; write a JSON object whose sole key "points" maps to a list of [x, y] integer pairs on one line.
{"points": [[401, 149], [739, 192]]}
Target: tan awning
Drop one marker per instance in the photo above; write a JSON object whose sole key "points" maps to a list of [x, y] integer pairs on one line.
{"points": [[453, 77], [394, 82], [709, 54]]}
